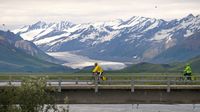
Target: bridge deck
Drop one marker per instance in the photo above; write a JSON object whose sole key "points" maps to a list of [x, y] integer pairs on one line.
{"points": [[129, 86], [135, 90], [84, 85]]}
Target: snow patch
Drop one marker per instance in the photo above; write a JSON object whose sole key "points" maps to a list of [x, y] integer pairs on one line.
{"points": [[91, 36], [135, 57], [20, 30], [162, 35], [102, 51], [109, 37], [188, 33], [45, 32], [49, 39], [152, 26], [31, 34]]}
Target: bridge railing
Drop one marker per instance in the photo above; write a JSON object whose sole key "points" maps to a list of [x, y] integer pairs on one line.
{"points": [[130, 81], [119, 80]]}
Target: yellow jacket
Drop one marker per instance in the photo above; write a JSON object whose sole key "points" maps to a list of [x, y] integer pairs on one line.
{"points": [[97, 69]]}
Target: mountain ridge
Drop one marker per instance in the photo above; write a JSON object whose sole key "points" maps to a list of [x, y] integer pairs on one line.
{"points": [[137, 38]]}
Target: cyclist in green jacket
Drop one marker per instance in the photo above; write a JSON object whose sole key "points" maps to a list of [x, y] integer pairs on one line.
{"points": [[188, 72]]}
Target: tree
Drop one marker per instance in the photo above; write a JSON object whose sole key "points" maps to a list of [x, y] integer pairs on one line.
{"points": [[34, 95], [7, 99]]}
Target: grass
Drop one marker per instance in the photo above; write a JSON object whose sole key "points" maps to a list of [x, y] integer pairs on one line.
{"points": [[87, 76], [116, 78]]}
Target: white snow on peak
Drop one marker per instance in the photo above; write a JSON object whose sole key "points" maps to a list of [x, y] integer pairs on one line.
{"points": [[25, 28], [134, 21], [41, 29], [61, 38], [152, 26], [91, 36], [31, 34], [188, 33], [49, 39], [45, 32], [162, 35], [109, 37], [135, 57], [102, 51], [185, 24], [169, 39], [100, 32]]}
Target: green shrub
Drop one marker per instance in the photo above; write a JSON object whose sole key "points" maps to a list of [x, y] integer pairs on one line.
{"points": [[34, 95]]}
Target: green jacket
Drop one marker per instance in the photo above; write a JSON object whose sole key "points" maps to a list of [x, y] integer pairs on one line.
{"points": [[187, 69]]}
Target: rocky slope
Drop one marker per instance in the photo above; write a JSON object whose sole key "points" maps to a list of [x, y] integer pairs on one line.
{"points": [[18, 55]]}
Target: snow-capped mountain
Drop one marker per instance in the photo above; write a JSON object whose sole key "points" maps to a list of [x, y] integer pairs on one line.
{"points": [[135, 39]]}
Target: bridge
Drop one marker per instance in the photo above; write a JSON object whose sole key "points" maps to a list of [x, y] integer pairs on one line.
{"points": [[124, 90]]}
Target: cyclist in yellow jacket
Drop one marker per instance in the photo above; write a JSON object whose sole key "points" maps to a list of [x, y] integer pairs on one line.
{"points": [[97, 71]]}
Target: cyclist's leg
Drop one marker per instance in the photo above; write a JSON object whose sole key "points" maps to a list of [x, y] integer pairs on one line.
{"points": [[98, 76], [93, 78], [185, 76], [101, 75], [189, 76]]}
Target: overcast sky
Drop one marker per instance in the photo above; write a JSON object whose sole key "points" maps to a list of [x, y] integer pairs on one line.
{"points": [[21, 12]]}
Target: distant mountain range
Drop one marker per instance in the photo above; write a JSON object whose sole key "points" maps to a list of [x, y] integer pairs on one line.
{"points": [[137, 39], [18, 55]]}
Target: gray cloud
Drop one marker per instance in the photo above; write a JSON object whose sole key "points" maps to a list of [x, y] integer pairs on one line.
{"points": [[20, 12]]}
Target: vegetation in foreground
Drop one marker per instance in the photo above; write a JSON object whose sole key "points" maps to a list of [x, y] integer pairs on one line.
{"points": [[32, 96]]}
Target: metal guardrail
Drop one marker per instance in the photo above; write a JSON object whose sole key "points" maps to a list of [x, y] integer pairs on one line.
{"points": [[131, 81]]}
